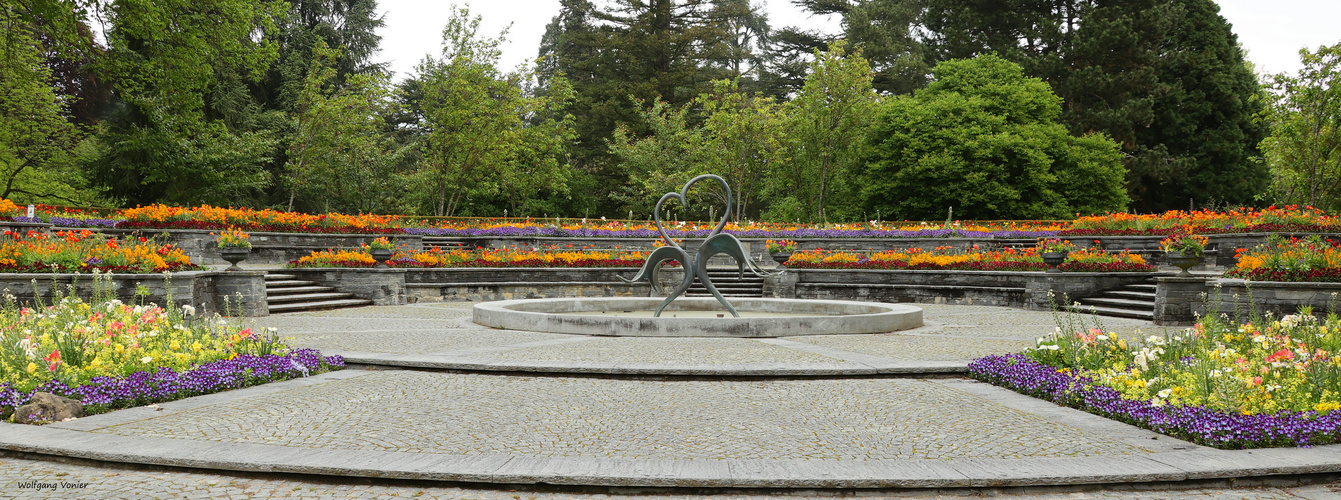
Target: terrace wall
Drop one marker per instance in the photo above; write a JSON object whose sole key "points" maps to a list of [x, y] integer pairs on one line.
{"points": [[1239, 298], [204, 290], [479, 284], [996, 288]]}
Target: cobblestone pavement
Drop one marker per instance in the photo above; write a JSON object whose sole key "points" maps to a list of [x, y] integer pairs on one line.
{"points": [[82, 481], [465, 414], [445, 328]]}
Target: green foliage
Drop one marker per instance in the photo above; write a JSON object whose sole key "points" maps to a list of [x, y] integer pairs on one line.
{"points": [[1163, 77], [1304, 148], [36, 141], [884, 30], [187, 131], [671, 154], [624, 53], [745, 140], [826, 122], [479, 142], [338, 157], [984, 138]]}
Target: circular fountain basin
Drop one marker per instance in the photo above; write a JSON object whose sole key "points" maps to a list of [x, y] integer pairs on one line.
{"points": [[697, 317]]}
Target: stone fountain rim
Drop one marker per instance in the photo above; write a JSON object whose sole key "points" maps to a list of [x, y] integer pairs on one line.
{"points": [[850, 317]]}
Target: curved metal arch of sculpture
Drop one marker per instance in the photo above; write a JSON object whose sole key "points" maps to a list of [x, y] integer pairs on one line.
{"points": [[695, 267]]}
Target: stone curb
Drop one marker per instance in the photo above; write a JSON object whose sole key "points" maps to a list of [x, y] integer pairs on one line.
{"points": [[1168, 460], [455, 361], [1196, 464]]}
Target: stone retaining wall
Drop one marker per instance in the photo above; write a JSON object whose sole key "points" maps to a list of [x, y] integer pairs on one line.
{"points": [[1240, 298], [1000, 288], [204, 290], [385, 287]]}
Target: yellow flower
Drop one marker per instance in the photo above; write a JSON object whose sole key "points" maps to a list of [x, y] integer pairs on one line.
{"points": [[32, 368]]}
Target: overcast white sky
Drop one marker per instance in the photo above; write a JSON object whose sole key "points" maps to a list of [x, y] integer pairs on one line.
{"points": [[1273, 31]]}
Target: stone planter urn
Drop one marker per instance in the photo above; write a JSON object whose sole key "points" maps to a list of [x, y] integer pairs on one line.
{"points": [[381, 255], [1054, 259], [780, 257], [1184, 262], [233, 255]]}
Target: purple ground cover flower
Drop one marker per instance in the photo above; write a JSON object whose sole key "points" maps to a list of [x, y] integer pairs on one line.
{"points": [[69, 222], [1198, 424], [165, 384]]}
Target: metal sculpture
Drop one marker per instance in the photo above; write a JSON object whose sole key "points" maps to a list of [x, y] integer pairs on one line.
{"points": [[717, 242]]}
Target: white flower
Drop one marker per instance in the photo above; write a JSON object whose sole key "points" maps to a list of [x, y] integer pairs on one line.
{"points": [[1049, 347], [1165, 393], [1259, 338], [1101, 337], [1216, 373], [146, 359], [188, 310]]}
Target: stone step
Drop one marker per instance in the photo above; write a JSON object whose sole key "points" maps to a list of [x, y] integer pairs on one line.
{"points": [[317, 306], [1138, 305], [297, 290], [1143, 287], [305, 297], [1131, 294], [1114, 312], [279, 277], [287, 283]]}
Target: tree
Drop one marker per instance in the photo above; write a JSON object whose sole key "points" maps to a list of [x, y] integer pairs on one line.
{"points": [[886, 31], [984, 138], [746, 140], [339, 156], [186, 129], [479, 141], [1304, 148], [826, 123], [36, 139], [621, 52], [670, 154], [1163, 77], [1207, 117]]}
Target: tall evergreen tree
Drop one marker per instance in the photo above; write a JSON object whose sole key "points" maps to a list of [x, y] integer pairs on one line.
{"points": [[886, 31], [1206, 118], [624, 51]]}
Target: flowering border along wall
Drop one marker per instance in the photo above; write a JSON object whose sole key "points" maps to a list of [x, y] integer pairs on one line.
{"points": [[1197, 424], [108, 393]]}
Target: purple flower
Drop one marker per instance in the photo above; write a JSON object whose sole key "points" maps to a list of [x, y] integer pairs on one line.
{"points": [[165, 384], [1194, 423]]}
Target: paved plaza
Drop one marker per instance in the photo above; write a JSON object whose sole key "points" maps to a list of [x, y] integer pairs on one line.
{"points": [[520, 408]]}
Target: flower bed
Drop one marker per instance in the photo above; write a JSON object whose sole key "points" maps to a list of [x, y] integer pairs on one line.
{"points": [[1310, 259], [946, 258], [1245, 220], [1198, 424], [106, 393], [480, 257], [85, 251], [113, 354], [1258, 384]]}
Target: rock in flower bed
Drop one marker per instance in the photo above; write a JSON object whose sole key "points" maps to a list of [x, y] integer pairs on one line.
{"points": [[1261, 383], [110, 354], [1311, 259], [480, 257], [973, 259]]}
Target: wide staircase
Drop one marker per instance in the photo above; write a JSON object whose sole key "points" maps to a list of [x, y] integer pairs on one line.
{"points": [[286, 293], [729, 283], [1136, 301]]}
